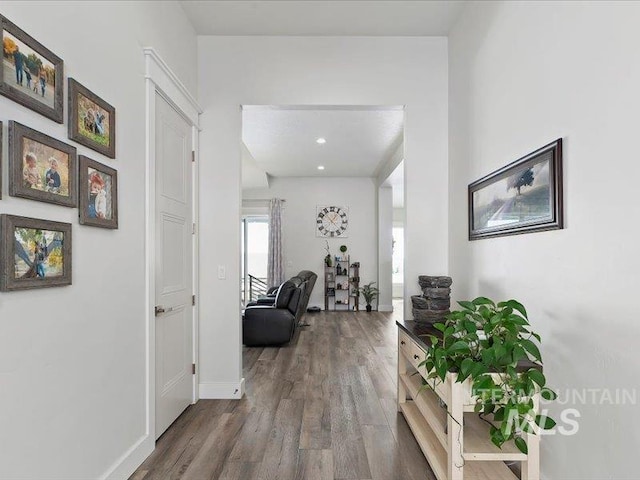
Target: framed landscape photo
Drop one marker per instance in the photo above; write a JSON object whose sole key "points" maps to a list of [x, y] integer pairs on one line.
{"points": [[31, 74], [92, 121], [34, 253], [524, 196], [98, 194], [41, 167]]}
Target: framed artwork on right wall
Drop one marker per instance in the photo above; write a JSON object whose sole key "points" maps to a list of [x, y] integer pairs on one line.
{"points": [[522, 197]]}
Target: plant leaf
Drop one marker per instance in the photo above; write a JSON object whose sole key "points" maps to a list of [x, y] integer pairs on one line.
{"points": [[545, 422], [459, 347], [548, 394], [521, 444], [537, 376], [467, 305], [470, 326], [483, 301], [531, 347], [517, 306]]}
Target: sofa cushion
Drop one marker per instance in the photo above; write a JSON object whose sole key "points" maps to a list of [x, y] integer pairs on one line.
{"points": [[284, 294]]}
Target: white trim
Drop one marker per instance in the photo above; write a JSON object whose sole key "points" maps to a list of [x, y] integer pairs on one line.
{"points": [[161, 74], [349, 108], [222, 390], [131, 460], [385, 308], [195, 212], [158, 79]]}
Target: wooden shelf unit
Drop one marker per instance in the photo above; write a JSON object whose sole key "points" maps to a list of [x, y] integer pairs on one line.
{"points": [[454, 440], [342, 299]]}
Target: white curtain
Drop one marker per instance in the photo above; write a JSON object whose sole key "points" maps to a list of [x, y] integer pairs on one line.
{"points": [[275, 262]]}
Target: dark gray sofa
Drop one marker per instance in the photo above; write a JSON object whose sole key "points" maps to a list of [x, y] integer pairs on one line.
{"points": [[273, 319]]}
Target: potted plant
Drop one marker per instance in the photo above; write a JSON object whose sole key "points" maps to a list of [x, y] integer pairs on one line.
{"points": [[327, 258], [369, 292], [490, 343]]}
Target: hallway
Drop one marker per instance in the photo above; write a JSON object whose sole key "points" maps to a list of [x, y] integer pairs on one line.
{"points": [[322, 407]]}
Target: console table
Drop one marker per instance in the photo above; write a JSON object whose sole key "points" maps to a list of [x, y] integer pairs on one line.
{"points": [[452, 437]]}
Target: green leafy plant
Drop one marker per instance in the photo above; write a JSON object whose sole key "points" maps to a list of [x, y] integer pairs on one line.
{"points": [[485, 342], [369, 292], [327, 258]]}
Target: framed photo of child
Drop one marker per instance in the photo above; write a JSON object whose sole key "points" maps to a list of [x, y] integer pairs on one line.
{"points": [[34, 254], [92, 121], [41, 167], [31, 74], [98, 194]]}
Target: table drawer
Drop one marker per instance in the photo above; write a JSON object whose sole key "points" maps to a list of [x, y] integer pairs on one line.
{"points": [[405, 344], [417, 357]]}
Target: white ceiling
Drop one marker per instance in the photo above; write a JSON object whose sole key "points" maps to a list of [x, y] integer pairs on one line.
{"points": [[323, 17], [282, 140]]}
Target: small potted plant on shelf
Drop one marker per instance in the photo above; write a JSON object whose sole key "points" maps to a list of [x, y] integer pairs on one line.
{"points": [[494, 346], [369, 292], [327, 258]]}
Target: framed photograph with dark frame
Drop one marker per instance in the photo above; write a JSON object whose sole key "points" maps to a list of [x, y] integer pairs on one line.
{"points": [[31, 74], [34, 254], [41, 167], [92, 121], [524, 196], [98, 194], [1, 150]]}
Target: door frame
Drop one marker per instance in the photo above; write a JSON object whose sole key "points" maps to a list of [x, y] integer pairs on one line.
{"points": [[160, 80]]}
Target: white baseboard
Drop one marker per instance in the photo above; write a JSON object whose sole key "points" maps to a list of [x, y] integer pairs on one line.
{"points": [[385, 308], [222, 390], [124, 467]]}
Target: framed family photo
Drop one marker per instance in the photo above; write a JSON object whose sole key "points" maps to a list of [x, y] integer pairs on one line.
{"points": [[34, 253], [98, 194], [41, 167], [92, 121], [1, 150], [524, 196], [31, 74]]}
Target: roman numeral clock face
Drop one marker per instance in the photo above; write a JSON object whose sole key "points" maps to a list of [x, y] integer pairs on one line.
{"points": [[332, 222]]}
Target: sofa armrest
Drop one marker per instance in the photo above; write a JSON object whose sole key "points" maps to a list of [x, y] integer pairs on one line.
{"points": [[265, 325]]}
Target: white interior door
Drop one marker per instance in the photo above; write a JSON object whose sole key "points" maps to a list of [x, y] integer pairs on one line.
{"points": [[173, 262]]}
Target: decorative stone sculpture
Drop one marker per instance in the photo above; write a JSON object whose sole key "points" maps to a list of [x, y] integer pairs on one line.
{"points": [[433, 305]]}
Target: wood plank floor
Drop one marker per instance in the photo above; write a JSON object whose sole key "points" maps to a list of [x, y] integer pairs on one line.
{"points": [[322, 407]]}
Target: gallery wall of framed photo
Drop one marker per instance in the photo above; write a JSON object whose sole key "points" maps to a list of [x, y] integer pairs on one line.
{"points": [[36, 252]]}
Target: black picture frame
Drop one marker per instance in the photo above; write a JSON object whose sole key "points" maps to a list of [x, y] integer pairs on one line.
{"points": [[18, 134], [82, 135], [496, 211], [24, 93], [84, 214], [59, 241]]}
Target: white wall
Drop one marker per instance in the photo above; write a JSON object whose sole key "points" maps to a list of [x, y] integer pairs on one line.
{"points": [[521, 75], [312, 71], [385, 248], [302, 249], [72, 359]]}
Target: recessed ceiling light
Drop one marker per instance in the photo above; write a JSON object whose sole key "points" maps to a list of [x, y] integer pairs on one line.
{"points": [[321, 141], [320, 167]]}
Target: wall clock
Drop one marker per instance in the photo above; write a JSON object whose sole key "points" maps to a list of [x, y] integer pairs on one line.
{"points": [[332, 221]]}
